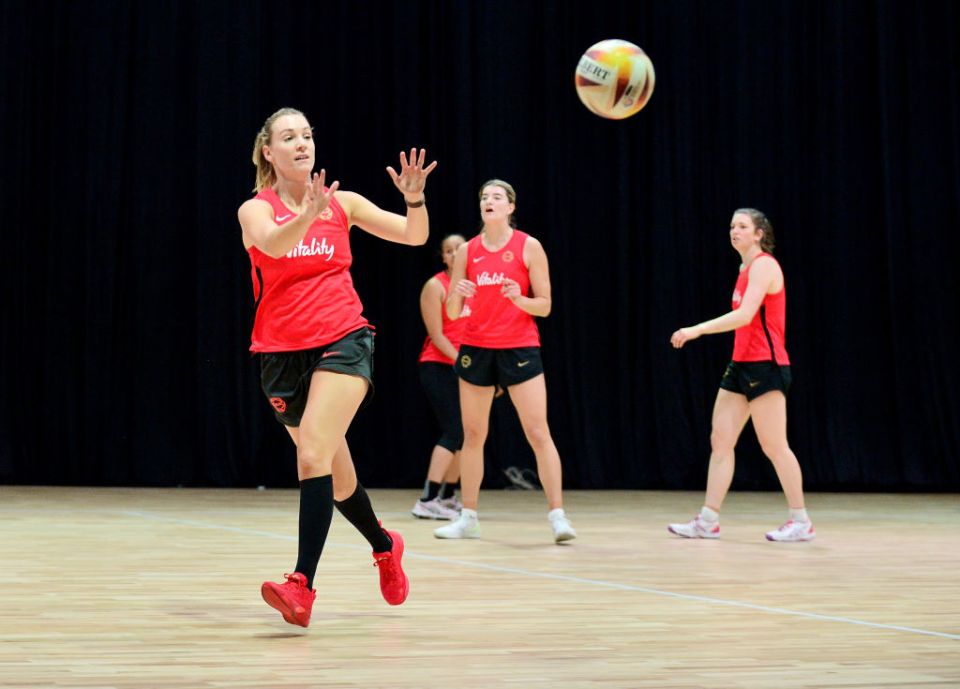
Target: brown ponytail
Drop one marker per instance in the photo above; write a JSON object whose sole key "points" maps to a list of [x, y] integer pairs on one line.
{"points": [[761, 222]]}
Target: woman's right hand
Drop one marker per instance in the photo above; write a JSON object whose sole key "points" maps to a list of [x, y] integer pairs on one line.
{"points": [[317, 199], [465, 288], [684, 335]]}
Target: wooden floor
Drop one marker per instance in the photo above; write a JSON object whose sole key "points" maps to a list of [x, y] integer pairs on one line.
{"points": [[161, 588]]}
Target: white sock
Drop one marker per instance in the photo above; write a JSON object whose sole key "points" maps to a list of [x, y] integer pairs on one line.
{"points": [[556, 514], [799, 515], [469, 514], [708, 515]]}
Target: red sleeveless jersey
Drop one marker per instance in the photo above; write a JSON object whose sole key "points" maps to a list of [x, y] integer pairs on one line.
{"points": [[496, 322], [306, 298], [452, 329], [764, 338]]}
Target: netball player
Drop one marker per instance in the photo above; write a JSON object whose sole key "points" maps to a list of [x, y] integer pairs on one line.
{"points": [[439, 381], [755, 383], [504, 273], [315, 346]]}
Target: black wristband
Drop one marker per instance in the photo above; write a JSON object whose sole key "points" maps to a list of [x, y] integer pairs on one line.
{"points": [[416, 204]]}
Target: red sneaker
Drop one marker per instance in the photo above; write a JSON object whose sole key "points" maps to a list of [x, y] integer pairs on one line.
{"points": [[394, 584], [293, 599]]}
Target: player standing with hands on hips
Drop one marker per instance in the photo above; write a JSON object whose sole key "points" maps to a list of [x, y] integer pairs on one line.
{"points": [[315, 346], [439, 381], [505, 274], [755, 383]]}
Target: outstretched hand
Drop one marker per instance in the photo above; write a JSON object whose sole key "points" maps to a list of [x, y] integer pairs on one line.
{"points": [[317, 199], [413, 175]]}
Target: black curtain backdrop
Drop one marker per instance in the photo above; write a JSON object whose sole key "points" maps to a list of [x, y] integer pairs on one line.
{"points": [[126, 295]]}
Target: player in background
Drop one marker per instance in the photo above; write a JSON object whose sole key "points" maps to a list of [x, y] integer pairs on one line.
{"points": [[755, 383], [504, 273]]}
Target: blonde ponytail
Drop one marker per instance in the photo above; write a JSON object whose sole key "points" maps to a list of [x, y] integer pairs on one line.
{"points": [[266, 176]]}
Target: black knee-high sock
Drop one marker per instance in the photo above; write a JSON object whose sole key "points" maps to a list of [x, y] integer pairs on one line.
{"points": [[359, 512], [316, 513]]}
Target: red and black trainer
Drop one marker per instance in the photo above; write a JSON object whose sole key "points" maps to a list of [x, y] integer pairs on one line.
{"points": [[292, 598], [394, 584]]}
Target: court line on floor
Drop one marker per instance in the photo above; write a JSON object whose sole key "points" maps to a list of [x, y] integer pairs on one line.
{"points": [[600, 583]]}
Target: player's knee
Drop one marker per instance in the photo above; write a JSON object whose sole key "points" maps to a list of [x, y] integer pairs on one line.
{"points": [[451, 440], [538, 436], [314, 458], [775, 449], [474, 435], [722, 442]]}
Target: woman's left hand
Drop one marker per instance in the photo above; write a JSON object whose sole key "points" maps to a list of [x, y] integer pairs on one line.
{"points": [[413, 175], [510, 289]]}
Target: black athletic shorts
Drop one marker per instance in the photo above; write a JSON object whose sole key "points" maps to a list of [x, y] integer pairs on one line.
{"points": [[285, 376], [753, 378], [503, 367], [440, 382]]}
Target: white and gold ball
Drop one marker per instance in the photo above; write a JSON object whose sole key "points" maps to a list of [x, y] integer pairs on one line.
{"points": [[614, 79]]}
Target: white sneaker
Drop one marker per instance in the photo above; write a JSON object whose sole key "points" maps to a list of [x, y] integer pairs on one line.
{"points": [[432, 509], [562, 529], [696, 528], [464, 527], [451, 503], [793, 531]]}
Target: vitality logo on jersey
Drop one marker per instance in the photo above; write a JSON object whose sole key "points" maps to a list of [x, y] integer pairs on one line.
{"points": [[278, 404], [485, 279], [315, 248], [737, 297]]}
